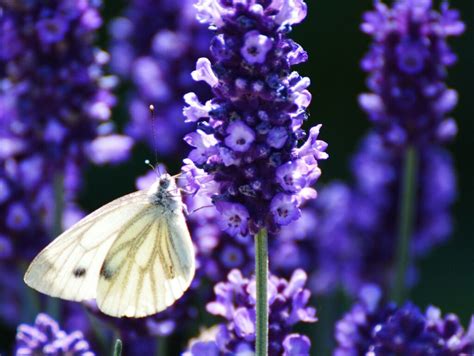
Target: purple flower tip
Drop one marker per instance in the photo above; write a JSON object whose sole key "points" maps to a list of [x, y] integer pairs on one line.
{"points": [[204, 72]]}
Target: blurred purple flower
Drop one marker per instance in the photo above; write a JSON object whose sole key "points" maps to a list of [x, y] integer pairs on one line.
{"points": [[374, 328], [58, 104], [407, 65], [46, 338], [157, 54], [248, 134], [321, 242], [235, 301], [376, 193]]}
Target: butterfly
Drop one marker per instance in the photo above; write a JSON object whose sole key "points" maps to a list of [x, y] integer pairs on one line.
{"points": [[134, 255]]}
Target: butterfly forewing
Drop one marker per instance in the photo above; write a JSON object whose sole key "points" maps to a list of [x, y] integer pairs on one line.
{"points": [[69, 267]]}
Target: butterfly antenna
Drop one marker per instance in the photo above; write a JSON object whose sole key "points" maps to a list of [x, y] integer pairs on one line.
{"points": [[147, 162], [153, 128]]}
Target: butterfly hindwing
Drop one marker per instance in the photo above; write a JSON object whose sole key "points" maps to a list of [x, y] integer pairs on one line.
{"points": [[147, 268], [69, 267]]}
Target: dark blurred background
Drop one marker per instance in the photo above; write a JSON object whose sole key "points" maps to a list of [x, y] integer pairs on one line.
{"points": [[335, 44]]}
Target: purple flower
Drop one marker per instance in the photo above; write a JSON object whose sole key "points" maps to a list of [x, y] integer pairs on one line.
{"points": [[52, 30], [284, 208], [235, 301], [255, 48], [45, 337], [407, 62], [239, 137], [295, 344], [17, 217], [374, 328], [156, 54], [203, 348], [234, 218], [256, 114]]}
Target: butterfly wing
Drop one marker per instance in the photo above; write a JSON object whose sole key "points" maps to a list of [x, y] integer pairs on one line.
{"points": [[69, 266], [147, 270]]}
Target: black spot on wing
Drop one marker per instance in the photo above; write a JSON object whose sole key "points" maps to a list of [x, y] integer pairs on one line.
{"points": [[79, 272], [106, 272]]}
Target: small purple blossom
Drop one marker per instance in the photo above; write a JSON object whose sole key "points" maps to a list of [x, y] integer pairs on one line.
{"points": [[239, 137], [410, 101], [284, 208], [256, 47], [45, 337], [51, 30], [256, 114], [234, 218]]}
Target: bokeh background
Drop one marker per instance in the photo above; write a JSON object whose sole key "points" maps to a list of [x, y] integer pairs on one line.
{"points": [[335, 45]]}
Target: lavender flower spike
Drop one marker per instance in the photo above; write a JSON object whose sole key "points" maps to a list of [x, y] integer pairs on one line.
{"points": [[235, 301], [374, 328], [410, 101], [46, 338], [248, 135]]}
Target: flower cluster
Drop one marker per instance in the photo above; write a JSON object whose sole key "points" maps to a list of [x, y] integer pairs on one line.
{"points": [[157, 54], [56, 104], [374, 328], [235, 301], [247, 136], [407, 63], [46, 338]]}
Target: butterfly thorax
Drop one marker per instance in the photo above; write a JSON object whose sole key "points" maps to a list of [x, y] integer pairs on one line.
{"points": [[165, 193]]}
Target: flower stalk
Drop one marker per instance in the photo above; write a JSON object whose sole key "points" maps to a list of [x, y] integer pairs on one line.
{"points": [[261, 275], [405, 223], [118, 348], [58, 191]]}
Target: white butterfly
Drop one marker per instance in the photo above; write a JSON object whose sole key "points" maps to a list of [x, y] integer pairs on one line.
{"points": [[133, 255]]}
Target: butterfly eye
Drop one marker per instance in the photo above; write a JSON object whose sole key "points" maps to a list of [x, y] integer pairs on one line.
{"points": [[164, 183]]}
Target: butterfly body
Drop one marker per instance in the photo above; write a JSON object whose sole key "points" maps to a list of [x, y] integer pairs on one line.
{"points": [[133, 255]]}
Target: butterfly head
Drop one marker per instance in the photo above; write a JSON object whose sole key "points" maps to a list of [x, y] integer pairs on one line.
{"points": [[164, 181], [164, 192]]}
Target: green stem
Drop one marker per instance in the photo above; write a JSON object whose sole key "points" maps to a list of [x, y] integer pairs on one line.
{"points": [[162, 346], [324, 328], [261, 276], [53, 306], [405, 223], [118, 348]]}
